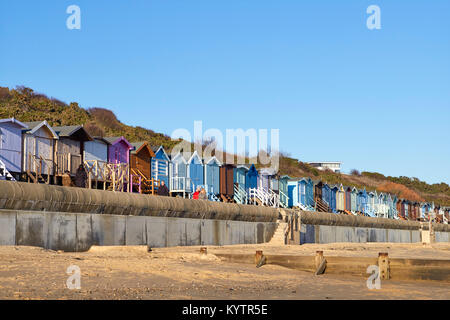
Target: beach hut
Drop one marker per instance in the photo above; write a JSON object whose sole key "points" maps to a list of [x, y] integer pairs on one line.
{"points": [[212, 176], [196, 171], [389, 204], [425, 211], [119, 150], [11, 148], [226, 179], [400, 209], [240, 174], [348, 199], [394, 207], [405, 209], [306, 193], [266, 180], [293, 193], [354, 200], [384, 204], [140, 168], [372, 200], [119, 163], [38, 142], [340, 199], [334, 189], [309, 191], [96, 150], [318, 186], [362, 202], [160, 165], [326, 195], [240, 183], [95, 155], [322, 196], [301, 193], [412, 210], [140, 159], [69, 148], [283, 191], [251, 178], [178, 172]]}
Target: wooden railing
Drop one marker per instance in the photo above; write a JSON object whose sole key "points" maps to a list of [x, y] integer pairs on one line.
{"points": [[37, 166], [145, 185], [322, 205], [284, 200], [117, 175], [97, 172], [4, 173], [181, 184], [240, 195]]}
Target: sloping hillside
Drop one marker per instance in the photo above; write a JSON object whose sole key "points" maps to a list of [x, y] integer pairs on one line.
{"points": [[27, 105]]}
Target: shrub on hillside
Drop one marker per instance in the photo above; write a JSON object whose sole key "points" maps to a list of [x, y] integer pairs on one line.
{"points": [[400, 191], [373, 175], [106, 117], [94, 130]]}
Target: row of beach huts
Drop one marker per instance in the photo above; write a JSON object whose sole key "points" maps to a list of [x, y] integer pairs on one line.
{"points": [[39, 153]]}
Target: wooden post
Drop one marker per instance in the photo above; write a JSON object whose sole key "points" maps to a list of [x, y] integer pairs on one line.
{"points": [[431, 230], [69, 162], [318, 258], [140, 184], [260, 259], [203, 250], [383, 265], [321, 263], [90, 178]]}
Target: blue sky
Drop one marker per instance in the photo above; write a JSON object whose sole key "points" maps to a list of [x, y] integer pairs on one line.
{"points": [[378, 100]]}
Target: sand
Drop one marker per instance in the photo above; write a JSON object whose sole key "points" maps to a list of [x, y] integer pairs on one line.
{"points": [[183, 273]]}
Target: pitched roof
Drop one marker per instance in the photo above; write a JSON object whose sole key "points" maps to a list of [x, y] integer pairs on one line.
{"points": [[207, 160], [138, 145], [68, 131], [156, 149], [102, 139], [13, 120], [113, 140], [268, 171], [33, 126]]}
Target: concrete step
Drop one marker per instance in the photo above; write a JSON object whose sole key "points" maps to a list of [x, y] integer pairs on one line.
{"points": [[278, 238]]}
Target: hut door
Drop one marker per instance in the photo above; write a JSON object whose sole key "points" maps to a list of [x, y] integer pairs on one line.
{"points": [[44, 150]]}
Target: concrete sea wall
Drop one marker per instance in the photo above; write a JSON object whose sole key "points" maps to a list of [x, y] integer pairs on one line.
{"points": [[41, 197], [313, 227], [79, 231]]}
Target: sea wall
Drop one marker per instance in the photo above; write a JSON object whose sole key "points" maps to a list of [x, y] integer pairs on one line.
{"points": [[313, 227], [79, 231], [41, 197]]}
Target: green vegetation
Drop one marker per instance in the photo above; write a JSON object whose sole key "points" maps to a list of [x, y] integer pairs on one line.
{"points": [[26, 105]]}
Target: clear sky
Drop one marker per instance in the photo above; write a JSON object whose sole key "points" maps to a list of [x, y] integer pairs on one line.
{"points": [[378, 100]]}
